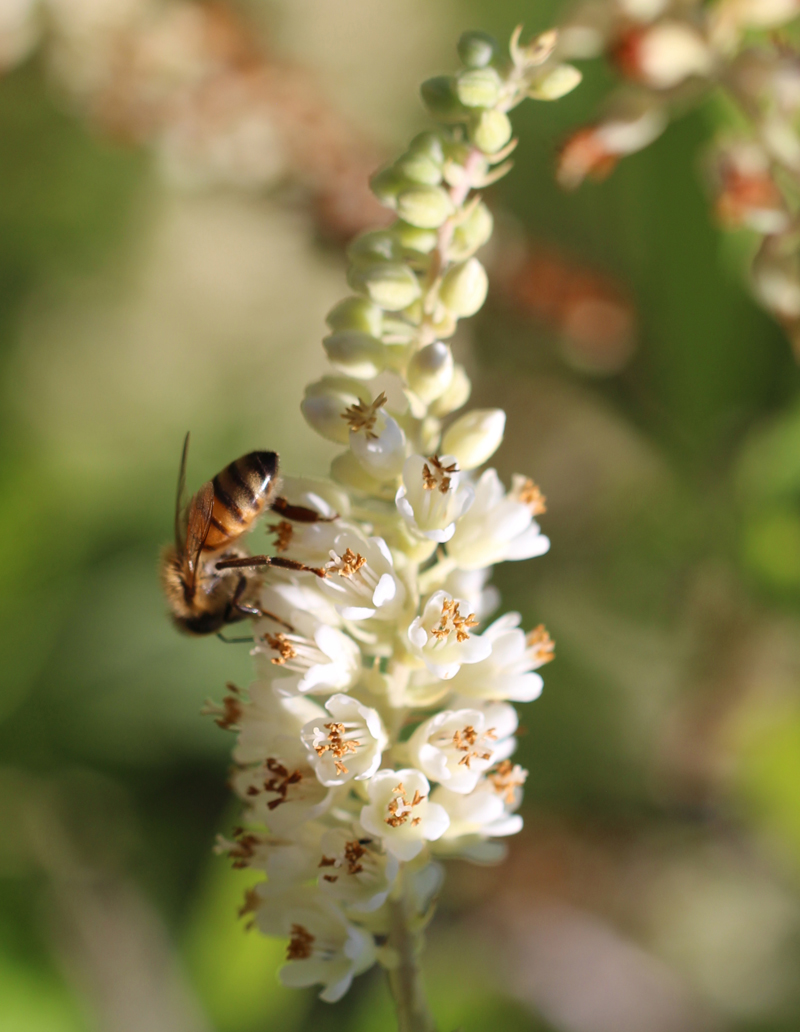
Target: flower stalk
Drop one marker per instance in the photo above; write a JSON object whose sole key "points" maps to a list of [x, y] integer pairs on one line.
{"points": [[375, 741]]}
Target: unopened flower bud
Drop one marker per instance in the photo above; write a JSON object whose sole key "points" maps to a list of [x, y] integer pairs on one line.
{"points": [[490, 131], [464, 287], [555, 83], [377, 245], [477, 49], [387, 184], [348, 471], [456, 394], [430, 371], [357, 353], [440, 98], [413, 238], [479, 87], [475, 437], [392, 285], [429, 144], [471, 234], [327, 400], [417, 167], [425, 206], [356, 313]]}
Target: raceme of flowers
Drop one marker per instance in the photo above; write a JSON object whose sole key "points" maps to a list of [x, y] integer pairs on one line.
{"points": [[674, 55], [378, 735]]}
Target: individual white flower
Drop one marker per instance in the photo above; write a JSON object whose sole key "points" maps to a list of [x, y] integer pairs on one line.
{"points": [[499, 526], [324, 948], [486, 812], [361, 580], [349, 745], [376, 439], [508, 671], [456, 746], [440, 636], [266, 716], [316, 658], [293, 594], [283, 792], [286, 860], [354, 872], [400, 814], [433, 497]]}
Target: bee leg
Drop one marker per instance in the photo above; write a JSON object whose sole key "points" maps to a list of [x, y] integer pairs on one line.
{"points": [[249, 561], [245, 609], [234, 641], [299, 513]]}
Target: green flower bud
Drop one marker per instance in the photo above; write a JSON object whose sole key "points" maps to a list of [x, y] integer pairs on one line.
{"points": [[398, 330], [455, 159], [556, 83], [425, 206], [429, 144], [377, 245], [412, 238], [472, 233], [359, 354], [456, 395], [392, 285], [348, 471], [440, 98], [430, 371], [479, 87], [419, 168], [387, 184], [356, 313], [325, 402], [490, 131], [464, 287], [477, 49], [475, 437]]}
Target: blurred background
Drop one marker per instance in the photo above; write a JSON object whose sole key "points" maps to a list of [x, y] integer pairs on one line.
{"points": [[177, 180]]}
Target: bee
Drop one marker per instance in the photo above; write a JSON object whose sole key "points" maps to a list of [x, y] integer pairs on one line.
{"points": [[209, 581]]}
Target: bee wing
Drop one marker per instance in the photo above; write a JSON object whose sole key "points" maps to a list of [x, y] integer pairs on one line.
{"points": [[197, 525], [179, 495]]}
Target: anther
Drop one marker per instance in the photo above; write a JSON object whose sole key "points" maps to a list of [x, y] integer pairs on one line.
{"points": [[362, 417]]}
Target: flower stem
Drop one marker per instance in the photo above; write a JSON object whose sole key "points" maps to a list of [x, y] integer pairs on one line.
{"points": [[405, 980]]}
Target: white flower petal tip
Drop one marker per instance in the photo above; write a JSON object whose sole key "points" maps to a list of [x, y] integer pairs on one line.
{"points": [[400, 813], [508, 672], [361, 581]]}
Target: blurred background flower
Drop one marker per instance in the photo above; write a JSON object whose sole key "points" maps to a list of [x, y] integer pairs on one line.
{"points": [[176, 181]]}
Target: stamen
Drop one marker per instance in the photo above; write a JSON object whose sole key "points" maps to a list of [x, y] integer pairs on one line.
{"points": [[280, 783], [362, 417], [346, 565], [227, 714], [353, 851], [300, 944], [283, 532], [506, 777], [250, 903], [438, 476], [540, 642], [337, 746], [452, 620], [399, 808], [530, 494], [244, 848], [281, 644]]}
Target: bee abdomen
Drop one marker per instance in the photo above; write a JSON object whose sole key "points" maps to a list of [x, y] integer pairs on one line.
{"points": [[241, 493]]}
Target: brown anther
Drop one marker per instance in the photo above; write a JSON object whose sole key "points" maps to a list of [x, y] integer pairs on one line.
{"points": [[530, 494], [398, 789], [452, 620], [244, 848], [542, 645], [506, 777], [280, 644], [353, 851], [327, 861], [337, 746], [415, 821], [417, 799], [280, 783], [283, 531], [300, 944], [231, 709], [436, 475], [330, 877], [250, 903], [346, 565], [362, 417]]}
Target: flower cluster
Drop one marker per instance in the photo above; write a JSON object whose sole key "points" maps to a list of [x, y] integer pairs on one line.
{"points": [[673, 54], [378, 735]]}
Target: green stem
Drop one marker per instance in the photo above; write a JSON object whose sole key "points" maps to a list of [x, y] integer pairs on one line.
{"points": [[405, 980]]}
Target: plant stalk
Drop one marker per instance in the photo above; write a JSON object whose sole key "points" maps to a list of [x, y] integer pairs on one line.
{"points": [[405, 980]]}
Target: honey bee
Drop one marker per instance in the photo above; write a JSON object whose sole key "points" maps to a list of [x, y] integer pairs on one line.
{"points": [[208, 580]]}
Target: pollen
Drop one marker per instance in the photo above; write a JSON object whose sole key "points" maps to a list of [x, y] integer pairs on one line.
{"points": [[353, 852], [436, 476], [346, 565], [283, 532], [301, 943], [530, 494], [244, 848], [362, 417], [281, 781], [451, 621], [280, 644], [400, 809], [337, 746], [541, 644], [250, 902], [228, 715], [506, 777], [469, 742]]}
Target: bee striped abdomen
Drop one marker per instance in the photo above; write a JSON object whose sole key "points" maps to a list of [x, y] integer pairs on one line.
{"points": [[241, 493]]}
